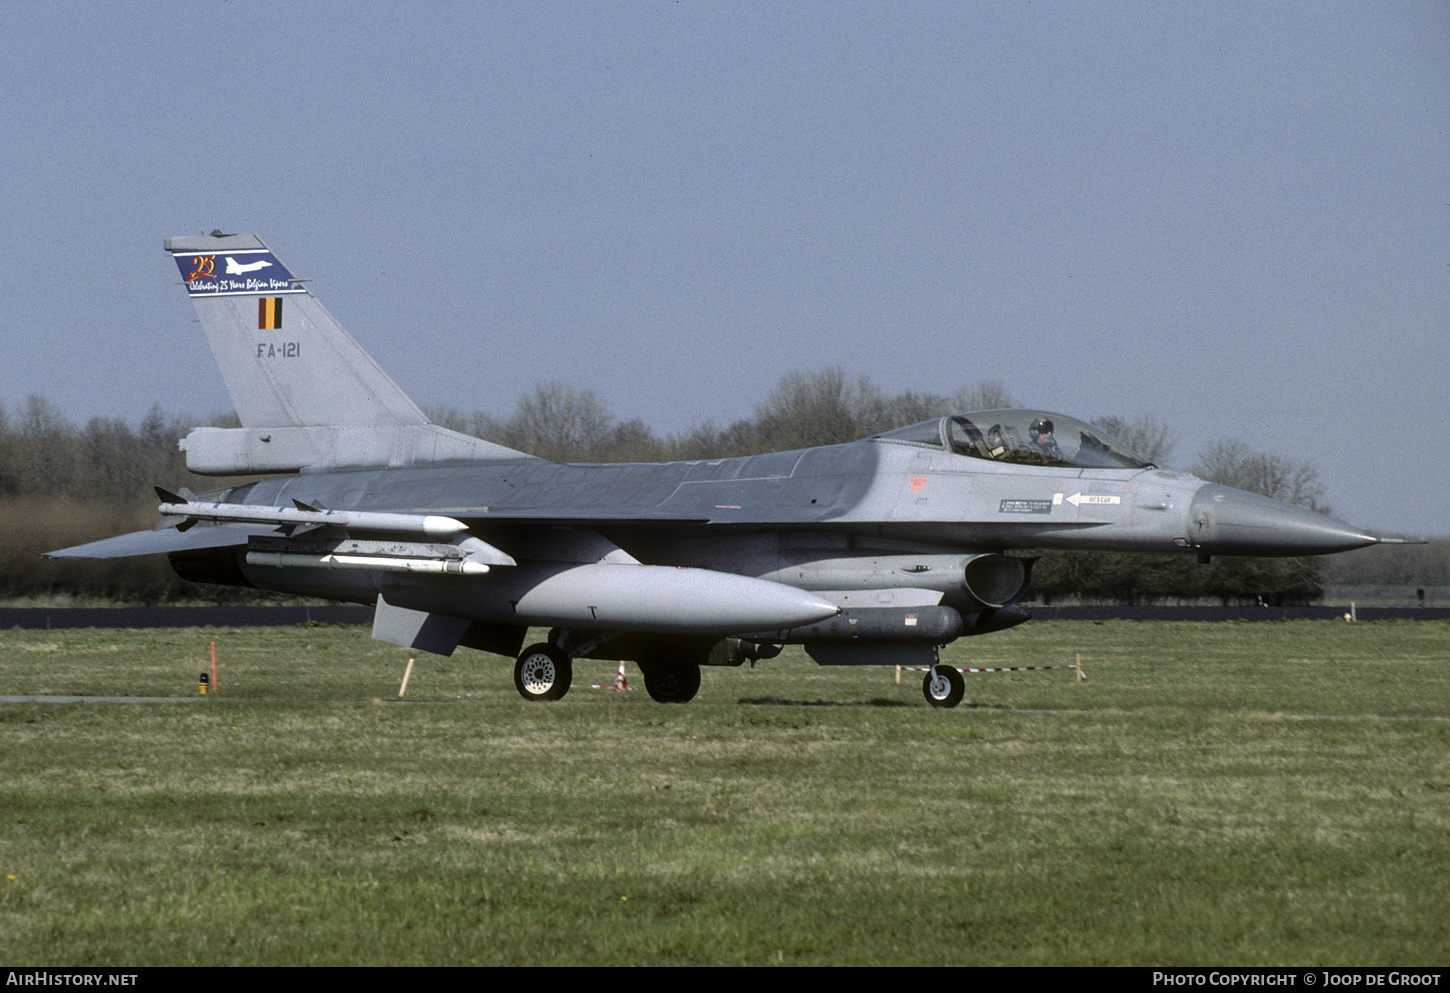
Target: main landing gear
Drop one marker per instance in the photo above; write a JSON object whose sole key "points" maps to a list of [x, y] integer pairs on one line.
{"points": [[943, 686], [543, 672], [671, 682]]}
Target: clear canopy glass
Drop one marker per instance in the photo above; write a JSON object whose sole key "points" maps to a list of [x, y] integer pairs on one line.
{"points": [[1022, 437]]}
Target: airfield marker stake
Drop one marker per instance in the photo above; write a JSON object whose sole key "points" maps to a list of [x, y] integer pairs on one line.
{"points": [[214, 683], [406, 673]]}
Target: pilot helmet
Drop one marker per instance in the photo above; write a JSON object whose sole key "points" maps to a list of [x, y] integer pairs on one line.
{"points": [[1042, 426]]}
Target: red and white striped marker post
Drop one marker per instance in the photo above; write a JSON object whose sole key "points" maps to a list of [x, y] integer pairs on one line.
{"points": [[620, 682], [1082, 676]]}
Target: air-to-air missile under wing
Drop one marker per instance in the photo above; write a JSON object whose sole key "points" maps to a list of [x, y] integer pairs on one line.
{"points": [[869, 553]]}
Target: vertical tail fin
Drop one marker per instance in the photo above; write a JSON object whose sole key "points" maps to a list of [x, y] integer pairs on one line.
{"points": [[286, 361], [307, 394]]}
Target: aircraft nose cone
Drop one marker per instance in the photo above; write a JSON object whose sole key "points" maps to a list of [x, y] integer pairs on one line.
{"points": [[1226, 521]]}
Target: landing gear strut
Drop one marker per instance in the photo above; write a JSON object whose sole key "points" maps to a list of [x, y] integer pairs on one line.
{"points": [[543, 672], [944, 686]]}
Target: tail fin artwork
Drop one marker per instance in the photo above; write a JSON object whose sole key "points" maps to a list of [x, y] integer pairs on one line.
{"points": [[307, 394]]}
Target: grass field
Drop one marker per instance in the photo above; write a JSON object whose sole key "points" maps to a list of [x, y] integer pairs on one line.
{"points": [[1214, 794]]}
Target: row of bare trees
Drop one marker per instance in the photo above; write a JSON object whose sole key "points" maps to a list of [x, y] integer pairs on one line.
{"points": [[62, 484], [570, 424]]}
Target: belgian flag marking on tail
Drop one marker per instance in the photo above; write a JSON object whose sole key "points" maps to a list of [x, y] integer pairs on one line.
{"points": [[269, 313]]}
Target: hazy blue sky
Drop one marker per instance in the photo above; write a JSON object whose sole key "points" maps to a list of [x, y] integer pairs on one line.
{"points": [[1230, 216]]}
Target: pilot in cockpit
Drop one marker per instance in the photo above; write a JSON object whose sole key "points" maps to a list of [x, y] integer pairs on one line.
{"points": [[1041, 435]]}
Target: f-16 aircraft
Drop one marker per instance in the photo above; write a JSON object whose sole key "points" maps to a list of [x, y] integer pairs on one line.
{"points": [[875, 552], [235, 268]]}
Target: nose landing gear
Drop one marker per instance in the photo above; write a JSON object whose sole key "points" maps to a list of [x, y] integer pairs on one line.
{"points": [[943, 686]]}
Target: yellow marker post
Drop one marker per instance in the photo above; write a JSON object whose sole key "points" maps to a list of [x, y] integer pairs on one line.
{"points": [[203, 683]]}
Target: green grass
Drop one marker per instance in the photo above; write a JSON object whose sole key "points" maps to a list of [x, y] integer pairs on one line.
{"points": [[1215, 793]]}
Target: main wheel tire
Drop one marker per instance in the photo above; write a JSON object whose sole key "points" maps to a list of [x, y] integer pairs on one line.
{"points": [[543, 672], [944, 686], [676, 682]]}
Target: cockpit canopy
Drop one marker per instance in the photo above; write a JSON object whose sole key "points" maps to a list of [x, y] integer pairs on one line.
{"points": [[1021, 437]]}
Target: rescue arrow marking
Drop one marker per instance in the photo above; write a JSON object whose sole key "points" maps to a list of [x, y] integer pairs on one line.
{"points": [[1077, 499]]}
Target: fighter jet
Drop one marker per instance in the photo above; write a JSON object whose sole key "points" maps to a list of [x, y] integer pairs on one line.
{"points": [[235, 268], [876, 552]]}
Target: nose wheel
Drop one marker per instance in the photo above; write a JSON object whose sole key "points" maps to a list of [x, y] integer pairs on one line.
{"points": [[944, 686], [543, 672]]}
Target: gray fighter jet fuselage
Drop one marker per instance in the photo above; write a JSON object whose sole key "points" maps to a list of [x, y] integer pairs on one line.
{"points": [[872, 552]]}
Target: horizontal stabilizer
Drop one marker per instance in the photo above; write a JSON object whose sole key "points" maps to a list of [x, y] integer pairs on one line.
{"points": [[162, 542]]}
